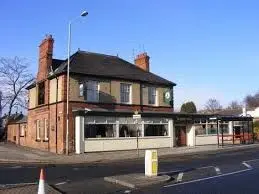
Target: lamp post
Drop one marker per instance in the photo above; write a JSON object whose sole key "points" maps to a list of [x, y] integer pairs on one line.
{"points": [[83, 14]]}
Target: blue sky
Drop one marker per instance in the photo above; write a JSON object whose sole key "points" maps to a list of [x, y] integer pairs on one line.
{"points": [[209, 48]]}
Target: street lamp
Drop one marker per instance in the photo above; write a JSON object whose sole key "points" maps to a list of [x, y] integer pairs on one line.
{"points": [[83, 14]]}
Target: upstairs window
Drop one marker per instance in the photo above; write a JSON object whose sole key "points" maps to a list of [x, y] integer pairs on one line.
{"points": [[125, 93], [41, 93], [152, 95], [81, 89], [89, 90]]}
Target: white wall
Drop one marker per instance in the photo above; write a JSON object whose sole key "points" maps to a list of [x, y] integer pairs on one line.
{"points": [[111, 144], [190, 130], [206, 139]]}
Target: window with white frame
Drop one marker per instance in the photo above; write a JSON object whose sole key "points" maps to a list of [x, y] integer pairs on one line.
{"points": [[81, 89], [152, 96], [125, 93], [38, 129], [92, 91], [46, 131]]}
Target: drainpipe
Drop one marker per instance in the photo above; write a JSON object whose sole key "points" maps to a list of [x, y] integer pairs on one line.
{"points": [[56, 115], [141, 97]]}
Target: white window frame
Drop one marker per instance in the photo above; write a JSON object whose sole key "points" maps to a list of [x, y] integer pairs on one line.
{"points": [[98, 91], [156, 96], [130, 93], [46, 134], [38, 129], [81, 89]]}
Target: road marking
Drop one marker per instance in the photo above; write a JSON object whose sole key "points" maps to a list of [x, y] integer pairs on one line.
{"points": [[208, 178], [179, 177], [252, 160], [16, 184], [247, 165], [127, 191], [61, 183], [205, 167], [217, 170], [75, 168], [15, 167]]}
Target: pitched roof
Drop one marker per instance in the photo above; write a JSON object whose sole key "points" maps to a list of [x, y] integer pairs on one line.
{"points": [[56, 63], [16, 118], [95, 64]]}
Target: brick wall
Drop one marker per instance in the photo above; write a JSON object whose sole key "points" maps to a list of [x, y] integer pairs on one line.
{"points": [[13, 133]]}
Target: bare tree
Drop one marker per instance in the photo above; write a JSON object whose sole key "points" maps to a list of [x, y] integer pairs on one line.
{"points": [[14, 78], [252, 101], [234, 105], [213, 105]]}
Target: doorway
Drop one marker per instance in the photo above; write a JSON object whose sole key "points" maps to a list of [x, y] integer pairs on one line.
{"points": [[180, 135]]}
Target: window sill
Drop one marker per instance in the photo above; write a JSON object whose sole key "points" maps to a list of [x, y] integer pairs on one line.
{"points": [[37, 140]]}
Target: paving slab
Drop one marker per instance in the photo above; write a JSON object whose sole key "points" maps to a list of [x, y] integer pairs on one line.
{"points": [[25, 189], [137, 180]]}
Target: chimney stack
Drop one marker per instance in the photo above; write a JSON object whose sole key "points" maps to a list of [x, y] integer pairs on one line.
{"points": [[244, 111], [142, 61], [45, 57]]}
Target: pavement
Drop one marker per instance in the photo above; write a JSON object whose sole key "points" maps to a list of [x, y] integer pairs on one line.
{"points": [[228, 172], [11, 153], [29, 188]]}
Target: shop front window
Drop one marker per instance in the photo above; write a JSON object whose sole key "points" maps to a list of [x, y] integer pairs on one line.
{"points": [[100, 130], [155, 130]]}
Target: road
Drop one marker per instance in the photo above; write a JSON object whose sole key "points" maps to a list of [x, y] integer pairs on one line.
{"points": [[220, 172]]}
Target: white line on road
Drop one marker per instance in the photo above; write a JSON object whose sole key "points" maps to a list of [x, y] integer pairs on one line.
{"points": [[179, 177], [206, 167], [252, 160], [15, 167], [61, 183], [217, 170], [212, 177], [127, 191], [247, 165], [75, 168]]}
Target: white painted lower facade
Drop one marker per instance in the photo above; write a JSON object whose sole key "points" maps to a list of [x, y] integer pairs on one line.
{"points": [[115, 141], [99, 144], [105, 144]]}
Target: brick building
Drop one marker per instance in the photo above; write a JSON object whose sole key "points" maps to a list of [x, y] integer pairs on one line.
{"points": [[104, 93], [17, 129], [100, 84]]}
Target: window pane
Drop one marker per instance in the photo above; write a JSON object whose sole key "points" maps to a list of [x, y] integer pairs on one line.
{"points": [[41, 93], [125, 92], [151, 95], [129, 130], [92, 93], [200, 130], [81, 89], [156, 130], [100, 130]]}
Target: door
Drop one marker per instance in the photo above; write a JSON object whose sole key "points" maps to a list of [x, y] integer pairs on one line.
{"points": [[180, 135]]}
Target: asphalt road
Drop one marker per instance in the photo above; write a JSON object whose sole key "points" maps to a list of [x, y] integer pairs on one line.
{"points": [[220, 172]]}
